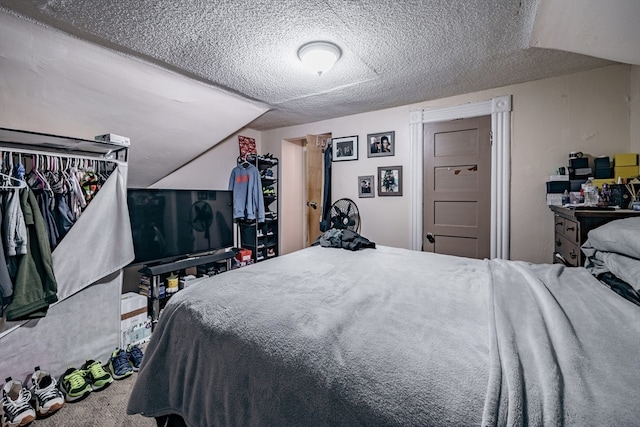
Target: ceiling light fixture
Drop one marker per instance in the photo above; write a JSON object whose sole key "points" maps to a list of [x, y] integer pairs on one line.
{"points": [[319, 57]]}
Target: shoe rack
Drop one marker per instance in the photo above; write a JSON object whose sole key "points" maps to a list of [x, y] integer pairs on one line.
{"points": [[262, 238]]}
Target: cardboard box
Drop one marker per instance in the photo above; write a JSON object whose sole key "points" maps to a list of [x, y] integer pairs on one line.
{"points": [[602, 162], [626, 171], [137, 334], [558, 186], [625, 159], [133, 309], [554, 199], [114, 139], [243, 255], [579, 163]]}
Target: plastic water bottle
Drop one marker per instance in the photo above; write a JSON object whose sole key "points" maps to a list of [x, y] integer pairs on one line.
{"points": [[590, 193], [566, 199]]}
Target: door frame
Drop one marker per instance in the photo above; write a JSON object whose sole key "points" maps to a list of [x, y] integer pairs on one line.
{"points": [[500, 110]]}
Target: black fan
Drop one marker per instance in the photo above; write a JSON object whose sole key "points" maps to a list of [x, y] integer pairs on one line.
{"points": [[344, 215]]}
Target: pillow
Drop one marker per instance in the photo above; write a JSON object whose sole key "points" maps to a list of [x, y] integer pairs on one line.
{"points": [[621, 236]]}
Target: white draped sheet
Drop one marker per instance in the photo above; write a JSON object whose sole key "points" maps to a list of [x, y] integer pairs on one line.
{"points": [[85, 322]]}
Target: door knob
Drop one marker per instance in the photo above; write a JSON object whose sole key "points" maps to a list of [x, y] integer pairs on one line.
{"points": [[431, 238], [314, 205]]}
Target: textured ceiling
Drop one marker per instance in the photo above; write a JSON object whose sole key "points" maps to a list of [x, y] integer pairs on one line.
{"points": [[394, 52]]}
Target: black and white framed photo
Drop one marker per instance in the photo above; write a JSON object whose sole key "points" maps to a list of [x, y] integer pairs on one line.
{"points": [[390, 181], [381, 144], [366, 186], [345, 148]]}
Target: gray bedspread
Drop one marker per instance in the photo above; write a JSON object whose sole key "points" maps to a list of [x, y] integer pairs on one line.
{"points": [[328, 337]]}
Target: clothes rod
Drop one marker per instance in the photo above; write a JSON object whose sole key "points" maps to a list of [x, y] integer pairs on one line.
{"points": [[97, 157]]}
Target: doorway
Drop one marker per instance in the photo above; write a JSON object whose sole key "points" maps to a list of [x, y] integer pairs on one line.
{"points": [[500, 110], [457, 183]]}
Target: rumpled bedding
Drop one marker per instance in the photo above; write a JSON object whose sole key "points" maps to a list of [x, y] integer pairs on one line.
{"points": [[393, 337], [615, 247]]}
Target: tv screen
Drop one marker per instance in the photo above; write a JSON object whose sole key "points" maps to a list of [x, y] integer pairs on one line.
{"points": [[170, 225]]}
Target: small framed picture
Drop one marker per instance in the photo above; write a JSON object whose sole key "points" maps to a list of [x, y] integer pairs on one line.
{"points": [[345, 148], [366, 186], [390, 181], [381, 144]]}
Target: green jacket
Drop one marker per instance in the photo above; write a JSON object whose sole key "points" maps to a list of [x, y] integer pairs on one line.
{"points": [[35, 285]]}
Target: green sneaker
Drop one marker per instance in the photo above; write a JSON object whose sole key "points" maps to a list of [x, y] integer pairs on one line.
{"points": [[97, 376], [74, 385]]}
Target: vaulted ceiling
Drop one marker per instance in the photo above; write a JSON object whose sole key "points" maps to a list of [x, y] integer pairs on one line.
{"points": [[393, 52]]}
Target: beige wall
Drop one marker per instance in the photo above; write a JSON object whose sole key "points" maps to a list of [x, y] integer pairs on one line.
{"points": [[588, 112]]}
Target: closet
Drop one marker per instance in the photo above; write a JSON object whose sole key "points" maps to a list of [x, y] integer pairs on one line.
{"points": [[89, 237]]}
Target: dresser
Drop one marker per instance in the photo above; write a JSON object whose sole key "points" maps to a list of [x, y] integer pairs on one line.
{"points": [[572, 227]]}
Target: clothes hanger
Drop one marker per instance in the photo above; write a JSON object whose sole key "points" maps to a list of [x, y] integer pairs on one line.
{"points": [[6, 186], [10, 181]]}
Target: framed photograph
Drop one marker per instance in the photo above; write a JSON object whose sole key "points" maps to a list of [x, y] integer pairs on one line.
{"points": [[345, 148], [381, 144], [366, 187], [390, 181]]}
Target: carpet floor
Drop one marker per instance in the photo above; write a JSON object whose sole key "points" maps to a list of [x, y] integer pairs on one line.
{"points": [[104, 408]]}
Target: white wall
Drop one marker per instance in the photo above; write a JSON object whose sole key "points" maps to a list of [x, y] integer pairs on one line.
{"points": [[588, 112], [211, 170]]}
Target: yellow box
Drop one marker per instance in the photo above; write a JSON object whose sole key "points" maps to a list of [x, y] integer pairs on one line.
{"points": [[626, 171], [625, 159]]}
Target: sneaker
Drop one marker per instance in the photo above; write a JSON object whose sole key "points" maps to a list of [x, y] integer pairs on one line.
{"points": [[135, 356], [96, 375], [119, 364], [74, 385], [45, 390], [16, 407]]}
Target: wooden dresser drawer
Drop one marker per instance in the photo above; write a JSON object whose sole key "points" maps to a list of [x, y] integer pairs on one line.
{"points": [[567, 228], [568, 250], [572, 226]]}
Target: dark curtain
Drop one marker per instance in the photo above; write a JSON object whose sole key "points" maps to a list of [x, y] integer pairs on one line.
{"points": [[325, 220]]}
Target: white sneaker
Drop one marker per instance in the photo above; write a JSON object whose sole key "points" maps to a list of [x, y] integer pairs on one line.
{"points": [[16, 409], [48, 396]]}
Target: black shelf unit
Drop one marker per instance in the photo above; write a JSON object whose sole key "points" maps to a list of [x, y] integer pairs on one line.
{"points": [[154, 276], [262, 238]]}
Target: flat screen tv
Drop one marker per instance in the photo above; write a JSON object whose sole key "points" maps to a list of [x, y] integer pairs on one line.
{"points": [[169, 225]]}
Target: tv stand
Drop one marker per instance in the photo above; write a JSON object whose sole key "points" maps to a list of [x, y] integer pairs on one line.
{"points": [[156, 271]]}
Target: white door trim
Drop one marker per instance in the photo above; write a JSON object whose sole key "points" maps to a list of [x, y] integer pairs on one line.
{"points": [[500, 110]]}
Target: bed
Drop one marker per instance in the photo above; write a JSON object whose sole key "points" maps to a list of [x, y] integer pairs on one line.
{"points": [[393, 337]]}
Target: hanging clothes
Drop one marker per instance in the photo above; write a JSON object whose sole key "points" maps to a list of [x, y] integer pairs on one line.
{"points": [[35, 286], [13, 225], [248, 201], [6, 284]]}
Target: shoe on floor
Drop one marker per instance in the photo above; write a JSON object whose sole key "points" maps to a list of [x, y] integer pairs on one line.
{"points": [[135, 356], [96, 375], [75, 385], [16, 407], [119, 364], [48, 397]]}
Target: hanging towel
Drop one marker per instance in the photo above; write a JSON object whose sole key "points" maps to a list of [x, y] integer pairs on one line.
{"points": [[248, 201], [35, 285]]}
